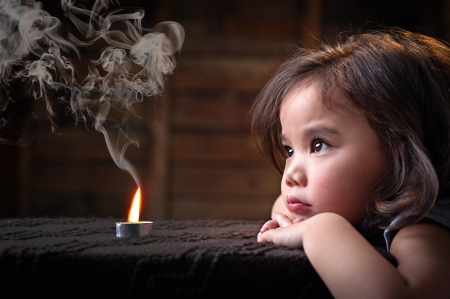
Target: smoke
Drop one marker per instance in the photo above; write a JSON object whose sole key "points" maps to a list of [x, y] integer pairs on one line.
{"points": [[39, 50]]}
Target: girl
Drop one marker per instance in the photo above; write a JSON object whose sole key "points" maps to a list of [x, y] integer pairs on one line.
{"points": [[361, 134]]}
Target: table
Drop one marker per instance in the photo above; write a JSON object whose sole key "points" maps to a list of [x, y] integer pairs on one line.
{"points": [[82, 257]]}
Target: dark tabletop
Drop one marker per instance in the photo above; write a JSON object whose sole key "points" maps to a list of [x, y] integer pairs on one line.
{"points": [[82, 257]]}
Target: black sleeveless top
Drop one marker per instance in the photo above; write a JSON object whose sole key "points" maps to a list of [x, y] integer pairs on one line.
{"points": [[440, 213]]}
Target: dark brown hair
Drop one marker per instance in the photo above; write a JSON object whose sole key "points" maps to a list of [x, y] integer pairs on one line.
{"points": [[400, 80]]}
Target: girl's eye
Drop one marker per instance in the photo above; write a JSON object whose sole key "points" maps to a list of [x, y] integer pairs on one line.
{"points": [[319, 146], [288, 151]]}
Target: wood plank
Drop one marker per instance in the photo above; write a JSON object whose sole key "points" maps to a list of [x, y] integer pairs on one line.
{"points": [[257, 26], [80, 204], [24, 178], [81, 144], [219, 111], [214, 148], [219, 206], [8, 177], [311, 16], [223, 72], [85, 177], [157, 183], [225, 180], [134, 114], [237, 45]]}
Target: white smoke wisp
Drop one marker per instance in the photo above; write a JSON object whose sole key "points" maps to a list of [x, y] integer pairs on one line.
{"points": [[35, 47]]}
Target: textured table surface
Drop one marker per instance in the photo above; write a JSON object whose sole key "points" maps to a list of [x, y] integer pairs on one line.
{"points": [[82, 257]]}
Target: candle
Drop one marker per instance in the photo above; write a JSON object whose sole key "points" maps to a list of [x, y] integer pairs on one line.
{"points": [[134, 228]]}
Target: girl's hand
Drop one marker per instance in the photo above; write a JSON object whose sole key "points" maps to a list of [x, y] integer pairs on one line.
{"points": [[278, 220], [281, 231]]}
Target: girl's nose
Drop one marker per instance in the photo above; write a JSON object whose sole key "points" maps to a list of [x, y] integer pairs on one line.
{"points": [[300, 181], [295, 176]]}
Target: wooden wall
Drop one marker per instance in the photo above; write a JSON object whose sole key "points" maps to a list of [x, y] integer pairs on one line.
{"points": [[196, 156], [214, 168]]}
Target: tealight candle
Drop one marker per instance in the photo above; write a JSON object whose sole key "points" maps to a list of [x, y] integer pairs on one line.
{"points": [[134, 228]]}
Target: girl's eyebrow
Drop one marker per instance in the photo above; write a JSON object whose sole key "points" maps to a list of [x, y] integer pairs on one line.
{"points": [[317, 130], [321, 130]]}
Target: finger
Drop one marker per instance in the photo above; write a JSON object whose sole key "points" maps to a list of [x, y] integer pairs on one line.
{"points": [[282, 219], [271, 224], [270, 236], [297, 220], [264, 237], [260, 238]]}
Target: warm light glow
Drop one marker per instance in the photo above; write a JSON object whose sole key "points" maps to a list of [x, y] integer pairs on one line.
{"points": [[133, 216]]}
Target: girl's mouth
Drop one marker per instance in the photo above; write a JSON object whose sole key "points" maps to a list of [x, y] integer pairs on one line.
{"points": [[295, 205]]}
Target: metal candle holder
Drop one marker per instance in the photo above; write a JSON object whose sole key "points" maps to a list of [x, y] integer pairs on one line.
{"points": [[134, 229]]}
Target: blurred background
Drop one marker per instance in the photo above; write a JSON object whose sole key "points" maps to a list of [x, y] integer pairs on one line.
{"points": [[196, 158]]}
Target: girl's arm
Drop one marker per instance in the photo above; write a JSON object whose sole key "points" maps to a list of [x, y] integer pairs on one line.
{"points": [[352, 268]]}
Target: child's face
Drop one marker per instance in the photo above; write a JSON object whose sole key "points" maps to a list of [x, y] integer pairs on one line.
{"points": [[334, 159]]}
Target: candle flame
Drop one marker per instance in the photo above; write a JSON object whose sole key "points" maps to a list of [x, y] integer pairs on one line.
{"points": [[133, 215]]}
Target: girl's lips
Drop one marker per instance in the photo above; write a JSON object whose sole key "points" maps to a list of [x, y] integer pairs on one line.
{"points": [[295, 205]]}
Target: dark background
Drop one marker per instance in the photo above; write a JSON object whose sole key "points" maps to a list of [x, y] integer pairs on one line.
{"points": [[196, 157]]}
